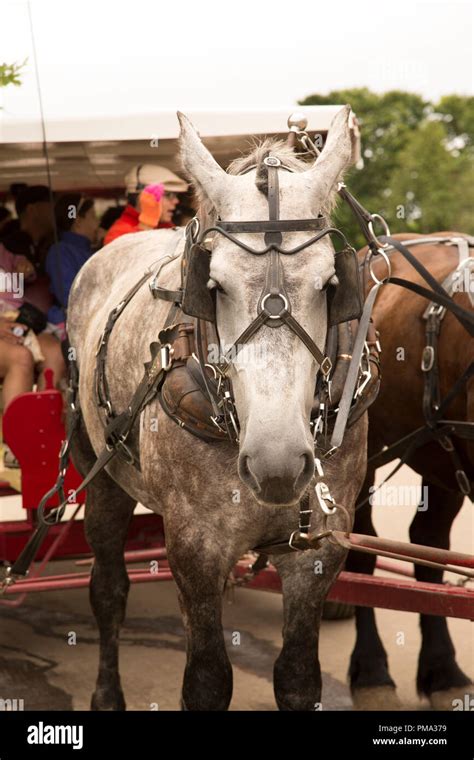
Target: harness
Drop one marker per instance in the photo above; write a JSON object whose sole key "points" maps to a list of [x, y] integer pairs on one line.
{"points": [[274, 306], [436, 427], [274, 310]]}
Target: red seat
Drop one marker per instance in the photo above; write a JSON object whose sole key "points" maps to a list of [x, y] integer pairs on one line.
{"points": [[33, 429]]}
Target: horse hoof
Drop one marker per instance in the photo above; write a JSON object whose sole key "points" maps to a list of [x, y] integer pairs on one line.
{"points": [[107, 701], [456, 698], [376, 698]]}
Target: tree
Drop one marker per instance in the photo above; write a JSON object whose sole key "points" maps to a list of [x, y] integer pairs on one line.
{"points": [[10, 73], [433, 184], [417, 155]]}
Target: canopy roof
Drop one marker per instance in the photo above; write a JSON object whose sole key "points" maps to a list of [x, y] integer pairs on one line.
{"points": [[95, 154]]}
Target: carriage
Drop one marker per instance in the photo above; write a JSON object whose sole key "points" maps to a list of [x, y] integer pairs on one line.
{"points": [[93, 157]]}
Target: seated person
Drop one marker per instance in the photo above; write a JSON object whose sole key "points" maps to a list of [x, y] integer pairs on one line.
{"points": [[5, 217], [77, 226], [22, 351], [107, 219], [28, 235], [135, 181], [35, 223]]}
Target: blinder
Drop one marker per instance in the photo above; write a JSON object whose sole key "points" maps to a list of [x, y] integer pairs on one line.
{"points": [[198, 301], [344, 300], [274, 307]]}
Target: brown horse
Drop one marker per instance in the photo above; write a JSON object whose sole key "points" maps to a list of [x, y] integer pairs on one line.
{"points": [[398, 411]]}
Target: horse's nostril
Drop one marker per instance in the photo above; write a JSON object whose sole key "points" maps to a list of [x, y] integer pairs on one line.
{"points": [[308, 469], [309, 464], [246, 473]]}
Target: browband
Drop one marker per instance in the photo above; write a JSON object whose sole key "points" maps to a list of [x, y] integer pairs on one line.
{"points": [[275, 225]]}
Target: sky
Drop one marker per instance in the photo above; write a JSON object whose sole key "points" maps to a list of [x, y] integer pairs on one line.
{"points": [[109, 57]]}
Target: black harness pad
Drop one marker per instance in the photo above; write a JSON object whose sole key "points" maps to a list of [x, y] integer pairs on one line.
{"points": [[345, 300], [198, 300]]}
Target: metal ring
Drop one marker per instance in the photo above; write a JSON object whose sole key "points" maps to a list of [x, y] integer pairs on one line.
{"points": [[384, 224], [381, 253], [275, 295], [272, 161], [194, 227]]}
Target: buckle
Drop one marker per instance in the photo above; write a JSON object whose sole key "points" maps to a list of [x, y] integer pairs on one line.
{"points": [[122, 449], [324, 495], [326, 366], [330, 452], [463, 482], [436, 310], [165, 357], [427, 359], [299, 541]]}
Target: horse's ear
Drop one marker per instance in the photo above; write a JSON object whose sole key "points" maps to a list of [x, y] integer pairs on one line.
{"points": [[335, 156], [198, 163]]}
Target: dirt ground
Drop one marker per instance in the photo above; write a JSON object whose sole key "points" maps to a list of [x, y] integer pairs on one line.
{"points": [[41, 664]]}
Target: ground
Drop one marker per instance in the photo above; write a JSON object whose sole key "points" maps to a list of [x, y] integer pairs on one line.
{"points": [[38, 664]]}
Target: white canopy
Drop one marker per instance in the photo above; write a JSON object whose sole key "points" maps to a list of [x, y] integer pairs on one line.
{"points": [[94, 153]]}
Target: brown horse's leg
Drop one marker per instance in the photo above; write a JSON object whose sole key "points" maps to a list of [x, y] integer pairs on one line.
{"points": [[297, 673], [108, 513], [438, 675], [200, 569], [370, 680]]}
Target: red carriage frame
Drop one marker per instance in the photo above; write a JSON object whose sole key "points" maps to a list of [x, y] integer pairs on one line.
{"points": [[33, 428]]}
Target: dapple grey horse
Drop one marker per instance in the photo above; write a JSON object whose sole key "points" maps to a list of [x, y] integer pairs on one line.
{"points": [[191, 483]]}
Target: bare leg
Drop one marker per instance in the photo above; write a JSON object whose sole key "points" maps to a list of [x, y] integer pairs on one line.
{"points": [[51, 348], [17, 370]]}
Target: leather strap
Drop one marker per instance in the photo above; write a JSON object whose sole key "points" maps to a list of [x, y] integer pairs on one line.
{"points": [[353, 373], [307, 340], [285, 252], [276, 225], [465, 317], [28, 554]]}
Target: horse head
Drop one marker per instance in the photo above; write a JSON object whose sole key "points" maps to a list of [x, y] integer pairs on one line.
{"points": [[273, 376]]}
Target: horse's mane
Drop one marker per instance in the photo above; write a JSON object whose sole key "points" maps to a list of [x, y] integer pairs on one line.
{"points": [[259, 149]]}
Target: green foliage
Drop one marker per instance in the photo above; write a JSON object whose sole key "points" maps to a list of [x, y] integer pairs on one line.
{"points": [[10, 73], [418, 160]]}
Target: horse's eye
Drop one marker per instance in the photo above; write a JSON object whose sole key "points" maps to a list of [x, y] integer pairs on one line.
{"points": [[332, 282], [214, 285]]}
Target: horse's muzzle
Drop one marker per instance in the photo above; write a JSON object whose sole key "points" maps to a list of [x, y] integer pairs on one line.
{"points": [[275, 482]]}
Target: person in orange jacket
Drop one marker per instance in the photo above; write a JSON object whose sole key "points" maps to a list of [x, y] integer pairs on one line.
{"points": [[135, 182]]}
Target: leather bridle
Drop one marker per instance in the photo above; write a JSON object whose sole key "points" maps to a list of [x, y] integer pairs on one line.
{"points": [[274, 306]]}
